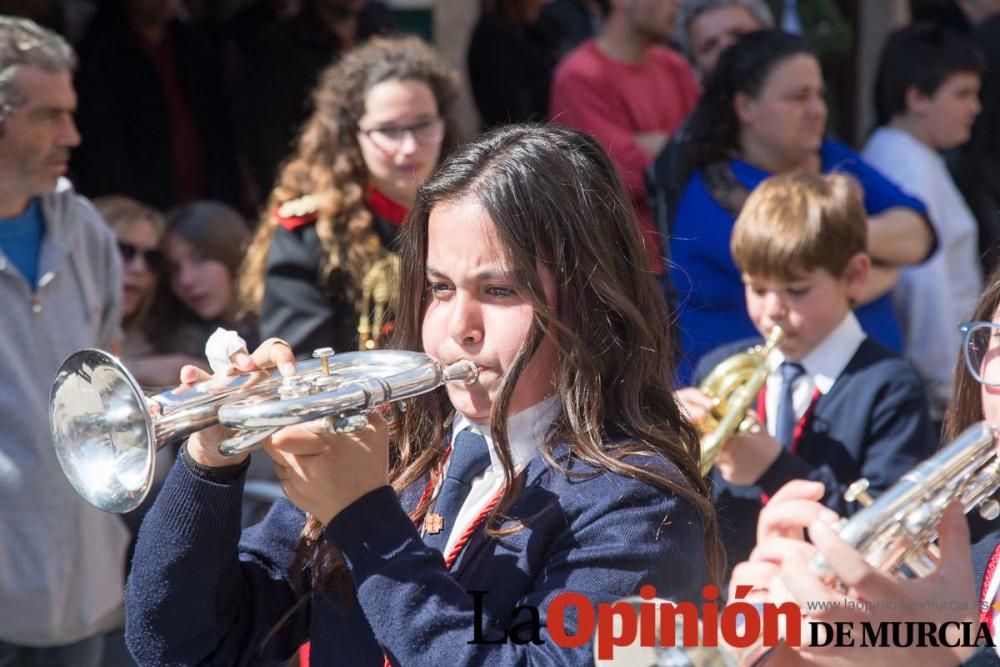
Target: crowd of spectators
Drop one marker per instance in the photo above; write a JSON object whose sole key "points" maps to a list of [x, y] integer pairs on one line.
{"points": [[251, 178]]}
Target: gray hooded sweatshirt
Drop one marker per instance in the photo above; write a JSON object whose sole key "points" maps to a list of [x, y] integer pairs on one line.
{"points": [[61, 560]]}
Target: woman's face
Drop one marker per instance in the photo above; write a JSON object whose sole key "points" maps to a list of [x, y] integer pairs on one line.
{"points": [[202, 284], [475, 311], [400, 136], [787, 118], [136, 244]]}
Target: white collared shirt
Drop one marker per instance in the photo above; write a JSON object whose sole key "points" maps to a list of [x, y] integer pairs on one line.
{"points": [[525, 431], [823, 365]]}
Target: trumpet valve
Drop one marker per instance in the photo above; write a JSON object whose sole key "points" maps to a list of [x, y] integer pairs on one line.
{"points": [[324, 354], [293, 386], [858, 492], [989, 509]]}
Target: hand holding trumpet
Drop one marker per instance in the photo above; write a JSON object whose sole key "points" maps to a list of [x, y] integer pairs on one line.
{"points": [[779, 571], [203, 446], [320, 472]]}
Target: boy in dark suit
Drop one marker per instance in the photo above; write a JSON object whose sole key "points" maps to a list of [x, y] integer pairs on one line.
{"points": [[836, 406]]}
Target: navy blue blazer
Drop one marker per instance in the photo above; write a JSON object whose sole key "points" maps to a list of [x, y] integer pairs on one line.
{"points": [[200, 593], [873, 423]]}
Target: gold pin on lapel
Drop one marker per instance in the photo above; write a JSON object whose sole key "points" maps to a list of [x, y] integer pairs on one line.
{"points": [[433, 523]]}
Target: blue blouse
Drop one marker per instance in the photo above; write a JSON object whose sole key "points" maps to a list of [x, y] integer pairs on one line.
{"points": [[711, 305]]}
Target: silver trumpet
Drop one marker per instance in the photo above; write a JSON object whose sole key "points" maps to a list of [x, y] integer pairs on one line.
{"points": [[896, 532], [106, 432]]}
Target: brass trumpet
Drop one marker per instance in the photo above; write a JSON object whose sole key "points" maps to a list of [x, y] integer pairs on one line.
{"points": [[733, 385], [106, 432]]}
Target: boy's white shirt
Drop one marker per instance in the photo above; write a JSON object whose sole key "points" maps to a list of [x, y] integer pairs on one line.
{"points": [[823, 365], [525, 431], [933, 297]]}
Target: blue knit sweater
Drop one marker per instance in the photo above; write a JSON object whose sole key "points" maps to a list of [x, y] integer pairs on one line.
{"points": [[200, 593]]}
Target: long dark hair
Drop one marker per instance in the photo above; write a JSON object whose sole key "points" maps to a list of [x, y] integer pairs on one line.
{"points": [[555, 198], [218, 232], [966, 405], [743, 68]]}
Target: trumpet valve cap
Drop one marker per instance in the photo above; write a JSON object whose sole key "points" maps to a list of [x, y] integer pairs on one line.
{"points": [[989, 509], [858, 491], [324, 354]]}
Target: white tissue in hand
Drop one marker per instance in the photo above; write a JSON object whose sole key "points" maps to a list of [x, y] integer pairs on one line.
{"points": [[220, 348]]}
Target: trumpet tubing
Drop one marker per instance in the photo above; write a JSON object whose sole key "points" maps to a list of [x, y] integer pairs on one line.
{"points": [[106, 432], [896, 532], [734, 385]]}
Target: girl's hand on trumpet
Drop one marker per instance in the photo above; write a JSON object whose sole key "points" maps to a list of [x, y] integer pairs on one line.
{"points": [[946, 596], [322, 473], [203, 446], [778, 571]]}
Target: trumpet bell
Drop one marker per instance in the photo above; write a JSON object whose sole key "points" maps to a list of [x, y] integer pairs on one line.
{"points": [[106, 433], [103, 433]]}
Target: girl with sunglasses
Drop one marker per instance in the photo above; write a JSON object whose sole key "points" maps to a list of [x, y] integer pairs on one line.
{"points": [[381, 123], [965, 587]]}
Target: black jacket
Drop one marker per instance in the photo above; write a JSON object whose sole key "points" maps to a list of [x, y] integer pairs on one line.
{"points": [[298, 306]]}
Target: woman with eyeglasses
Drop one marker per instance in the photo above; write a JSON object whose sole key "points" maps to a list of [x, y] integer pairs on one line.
{"points": [[778, 569], [382, 121], [139, 229]]}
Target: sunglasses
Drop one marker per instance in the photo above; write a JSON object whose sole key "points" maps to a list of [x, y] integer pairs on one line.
{"points": [[152, 257]]}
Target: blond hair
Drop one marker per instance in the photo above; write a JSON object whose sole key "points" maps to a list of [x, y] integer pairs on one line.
{"points": [[799, 222]]}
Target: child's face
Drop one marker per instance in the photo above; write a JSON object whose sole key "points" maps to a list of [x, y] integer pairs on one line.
{"points": [[807, 308], [946, 117], [475, 312], [201, 283]]}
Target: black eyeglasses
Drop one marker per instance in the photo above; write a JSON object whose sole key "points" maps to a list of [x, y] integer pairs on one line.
{"points": [[152, 257], [426, 133], [981, 348]]}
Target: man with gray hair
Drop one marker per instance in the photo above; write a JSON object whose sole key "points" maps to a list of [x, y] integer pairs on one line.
{"points": [[706, 28], [61, 561]]}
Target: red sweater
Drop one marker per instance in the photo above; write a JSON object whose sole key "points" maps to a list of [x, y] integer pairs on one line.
{"points": [[614, 101]]}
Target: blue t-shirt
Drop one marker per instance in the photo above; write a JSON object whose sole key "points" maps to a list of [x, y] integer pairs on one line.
{"points": [[21, 241], [711, 305]]}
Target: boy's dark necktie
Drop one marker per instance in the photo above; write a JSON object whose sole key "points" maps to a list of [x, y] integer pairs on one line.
{"points": [[470, 456], [784, 425]]}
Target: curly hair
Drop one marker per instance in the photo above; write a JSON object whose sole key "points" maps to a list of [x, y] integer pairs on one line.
{"points": [[743, 68], [327, 162]]}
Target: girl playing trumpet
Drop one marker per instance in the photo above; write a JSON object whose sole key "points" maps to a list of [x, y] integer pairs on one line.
{"points": [[580, 474]]}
